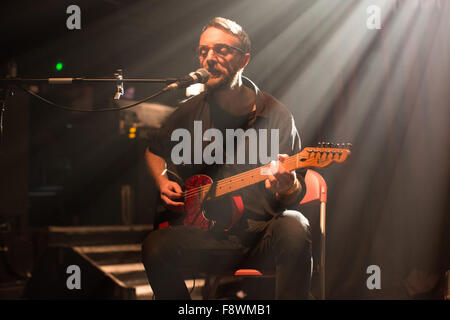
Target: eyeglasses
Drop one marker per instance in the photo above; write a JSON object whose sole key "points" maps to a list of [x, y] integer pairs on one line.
{"points": [[220, 49]]}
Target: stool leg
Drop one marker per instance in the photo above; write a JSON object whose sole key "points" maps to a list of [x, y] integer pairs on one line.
{"points": [[322, 249], [213, 283]]}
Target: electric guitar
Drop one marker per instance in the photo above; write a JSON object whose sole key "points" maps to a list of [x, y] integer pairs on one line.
{"points": [[199, 189]]}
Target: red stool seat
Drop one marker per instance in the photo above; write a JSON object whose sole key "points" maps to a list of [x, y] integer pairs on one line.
{"points": [[247, 272]]}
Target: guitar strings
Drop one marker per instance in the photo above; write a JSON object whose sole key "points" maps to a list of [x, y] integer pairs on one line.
{"points": [[195, 191], [224, 183]]}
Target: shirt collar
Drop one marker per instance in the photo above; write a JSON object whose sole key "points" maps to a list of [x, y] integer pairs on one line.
{"points": [[260, 105]]}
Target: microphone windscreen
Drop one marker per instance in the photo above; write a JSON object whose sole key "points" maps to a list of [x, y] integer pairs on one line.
{"points": [[203, 75]]}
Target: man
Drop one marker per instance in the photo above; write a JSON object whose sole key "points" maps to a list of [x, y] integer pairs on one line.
{"points": [[268, 234]]}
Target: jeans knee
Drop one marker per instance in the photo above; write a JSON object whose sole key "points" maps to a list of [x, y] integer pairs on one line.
{"points": [[296, 217], [293, 232]]}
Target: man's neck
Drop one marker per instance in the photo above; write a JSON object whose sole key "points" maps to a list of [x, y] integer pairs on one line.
{"points": [[238, 100]]}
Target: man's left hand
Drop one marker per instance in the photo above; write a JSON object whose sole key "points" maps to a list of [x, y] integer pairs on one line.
{"points": [[280, 179]]}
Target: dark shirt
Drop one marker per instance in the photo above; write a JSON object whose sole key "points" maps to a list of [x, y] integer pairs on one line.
{"points": [[259, 203]]}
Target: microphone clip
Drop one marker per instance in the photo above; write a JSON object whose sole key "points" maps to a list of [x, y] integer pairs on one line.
{"points": [[120, 91]]}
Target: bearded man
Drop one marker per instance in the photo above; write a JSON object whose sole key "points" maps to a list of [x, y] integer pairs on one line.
{"points": [[270, 233]]}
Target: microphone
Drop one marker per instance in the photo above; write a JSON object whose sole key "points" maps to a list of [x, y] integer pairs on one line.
{"points": [[199, 76]]}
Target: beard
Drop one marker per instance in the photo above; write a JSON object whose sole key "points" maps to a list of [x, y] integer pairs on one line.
{"points": [[220, 81]]}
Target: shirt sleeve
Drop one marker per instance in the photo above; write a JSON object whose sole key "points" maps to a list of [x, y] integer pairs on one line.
{"points": [[160, 142], [157, 142], [290, 144]]}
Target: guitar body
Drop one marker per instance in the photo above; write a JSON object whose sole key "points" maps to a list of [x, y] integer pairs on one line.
{"points": [[194, 211], [194, 214]]}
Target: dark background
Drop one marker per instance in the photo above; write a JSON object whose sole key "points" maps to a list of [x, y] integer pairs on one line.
{"points": [[385, 91]]}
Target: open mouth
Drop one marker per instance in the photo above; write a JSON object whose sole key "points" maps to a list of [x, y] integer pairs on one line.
{"points": [[215, 74]]}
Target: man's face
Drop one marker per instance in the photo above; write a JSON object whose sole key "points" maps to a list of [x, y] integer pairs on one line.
{"points": [[224, 66]]}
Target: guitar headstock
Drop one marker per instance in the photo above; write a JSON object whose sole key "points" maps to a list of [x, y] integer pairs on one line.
{"points": [[323, 155]]}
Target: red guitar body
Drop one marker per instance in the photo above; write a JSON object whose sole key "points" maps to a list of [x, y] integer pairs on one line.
{"points": [[193, 212]]}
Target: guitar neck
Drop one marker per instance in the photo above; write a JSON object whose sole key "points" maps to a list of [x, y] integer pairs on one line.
{"points": [[248, 178], [309, 157]]}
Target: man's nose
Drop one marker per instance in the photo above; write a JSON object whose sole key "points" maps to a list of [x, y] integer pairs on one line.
{"points": [[211, 56], [210, 53], [211, 62]]}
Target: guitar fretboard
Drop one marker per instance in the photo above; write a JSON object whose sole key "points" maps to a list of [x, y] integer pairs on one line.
{"points": [[309, 157], [248, 178]]}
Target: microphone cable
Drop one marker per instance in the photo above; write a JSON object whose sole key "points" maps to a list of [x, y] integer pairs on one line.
{"points": [[77, 109]]}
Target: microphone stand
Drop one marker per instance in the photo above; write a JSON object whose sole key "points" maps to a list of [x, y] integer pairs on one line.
{"points": [[11, 81], [119, 80], [6, 85]]}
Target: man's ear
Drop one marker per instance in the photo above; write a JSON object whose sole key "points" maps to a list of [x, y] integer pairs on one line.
{"points": [[245, 59]]}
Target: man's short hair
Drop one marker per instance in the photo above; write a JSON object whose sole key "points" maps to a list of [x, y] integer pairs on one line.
{"points": [[233, 28]]}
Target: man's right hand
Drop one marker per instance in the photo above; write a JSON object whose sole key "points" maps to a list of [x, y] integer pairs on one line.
{"points": [[169, 191]]}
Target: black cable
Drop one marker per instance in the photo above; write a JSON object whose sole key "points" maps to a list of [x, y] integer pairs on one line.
{"points": [[2, 112], [93, 110], [3, 96]]}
